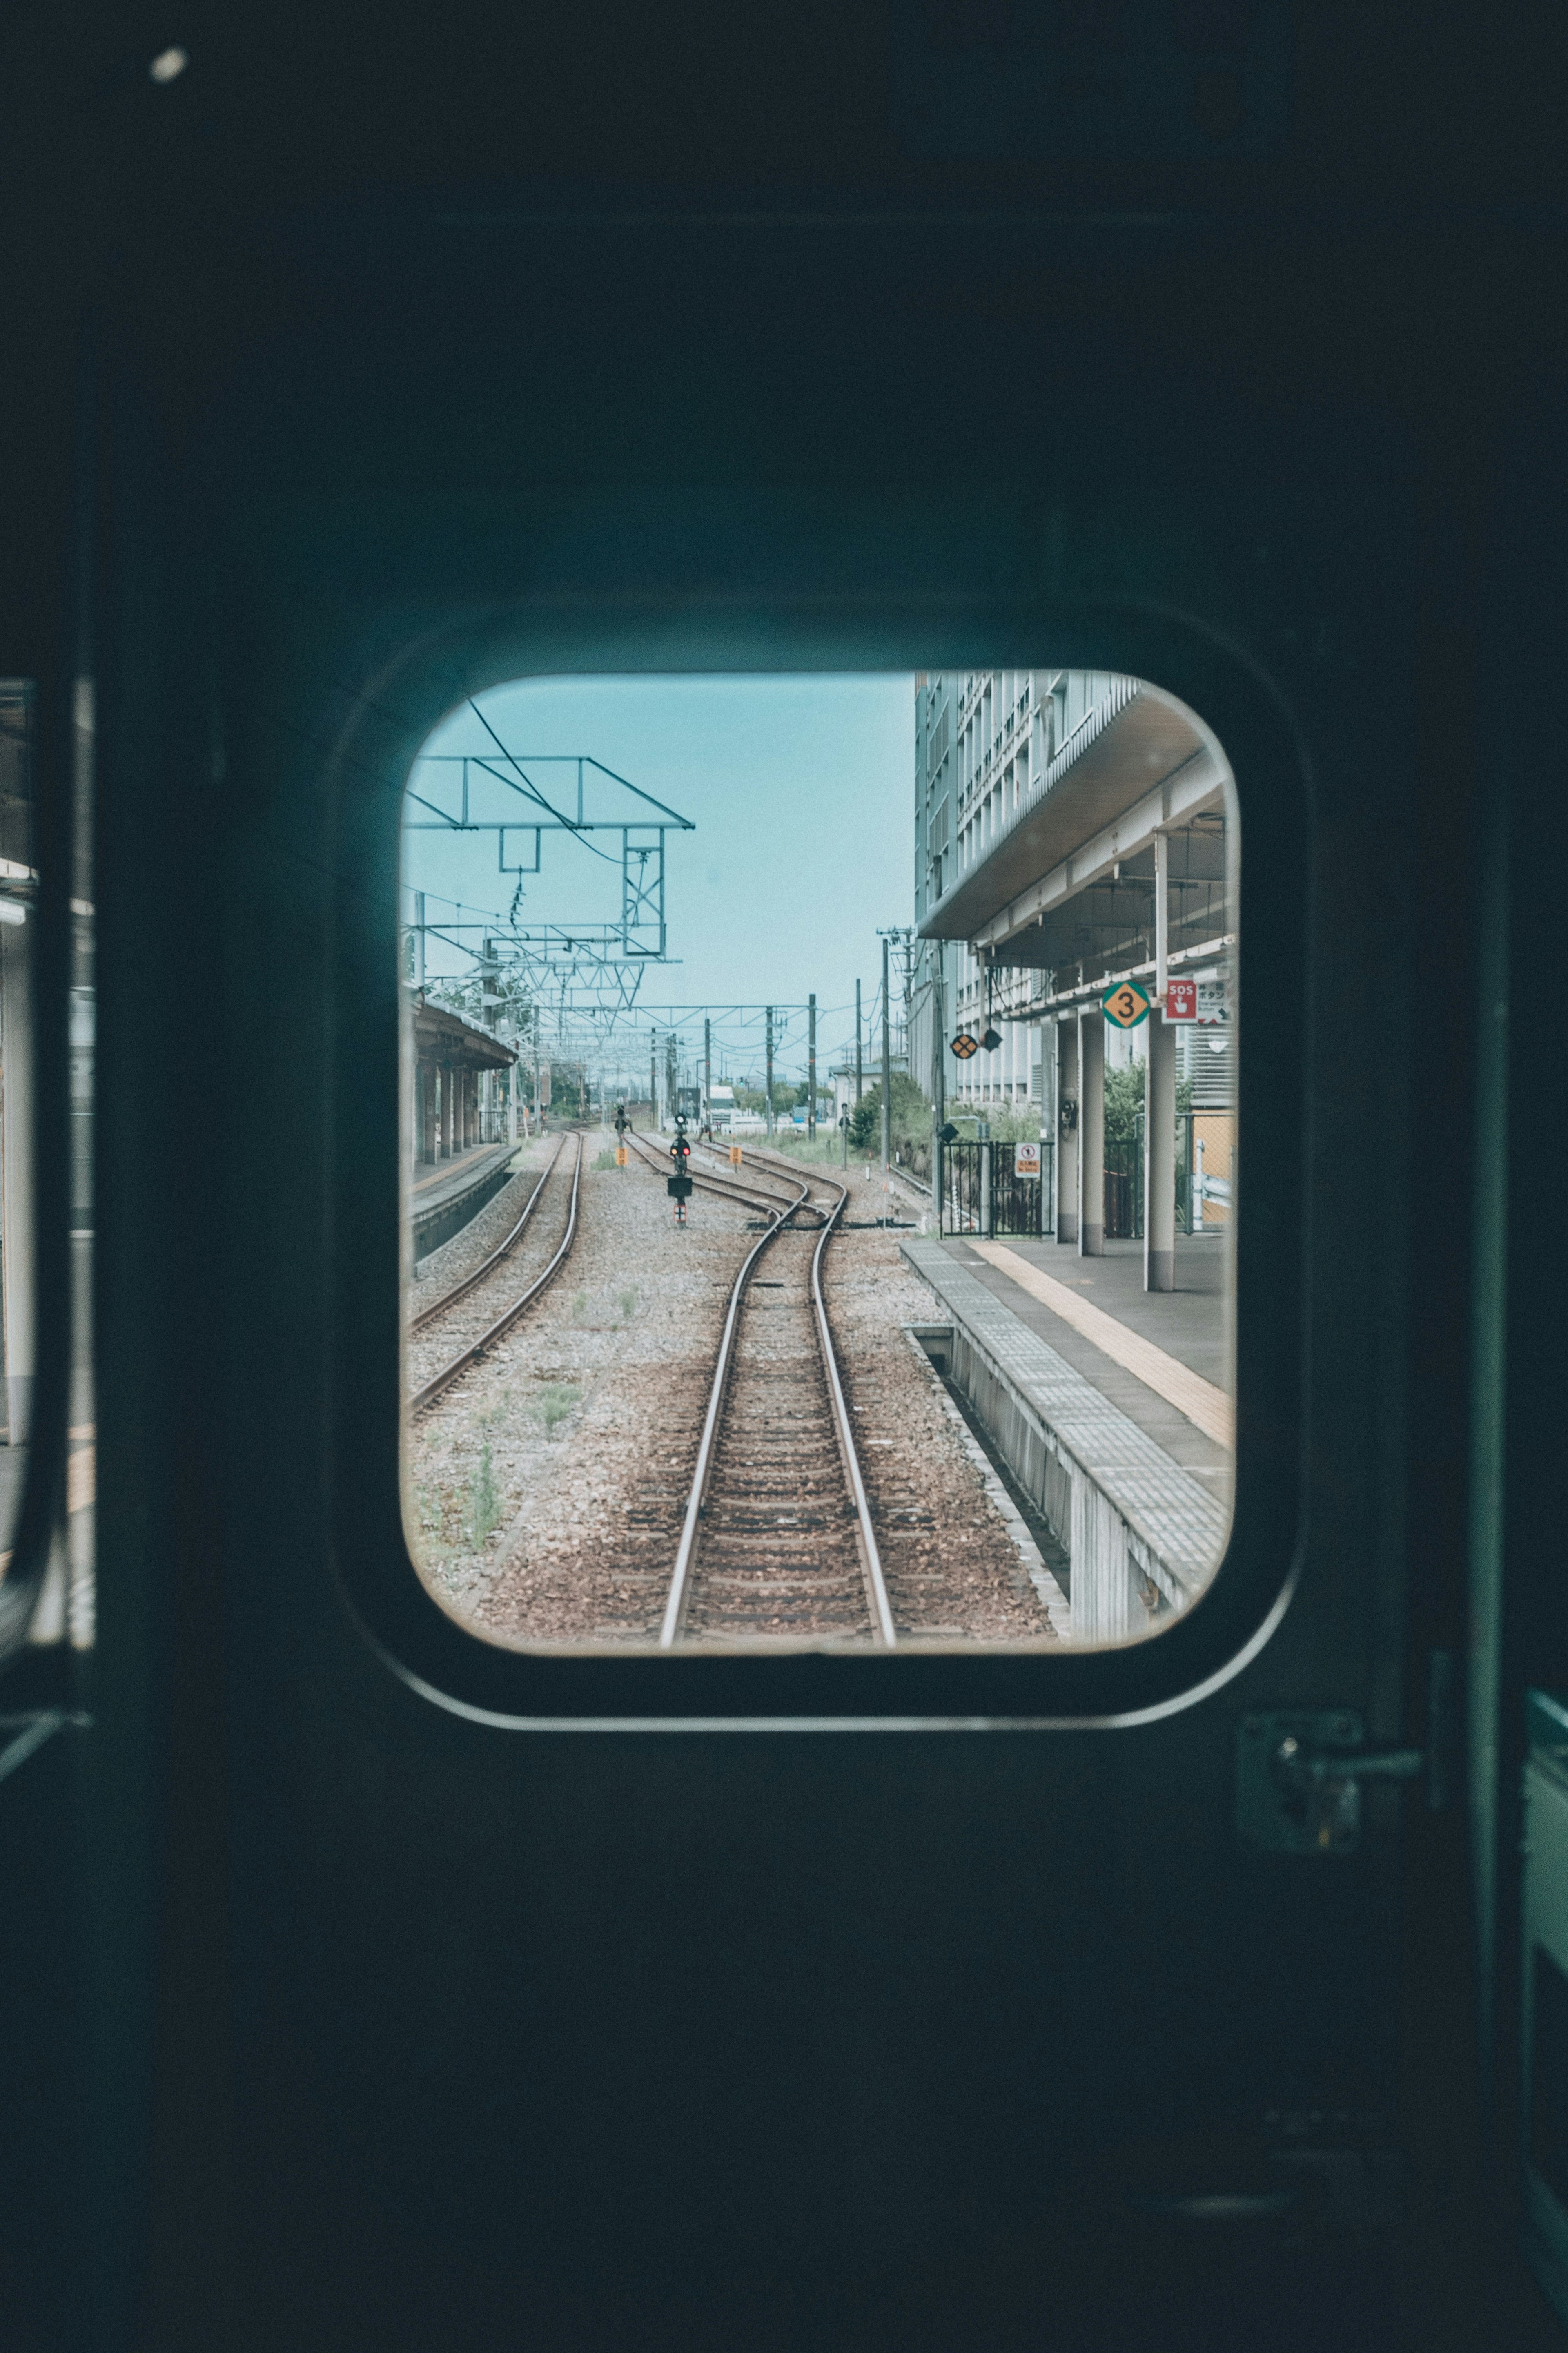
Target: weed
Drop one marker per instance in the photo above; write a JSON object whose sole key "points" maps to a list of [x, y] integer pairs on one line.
{"points": [[484, 1503], [553, 1404], [580, 1308], [605, 1160], [627, 1303]]}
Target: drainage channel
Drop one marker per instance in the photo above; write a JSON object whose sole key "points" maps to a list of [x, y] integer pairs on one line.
{"points": [[1043, 1555]]}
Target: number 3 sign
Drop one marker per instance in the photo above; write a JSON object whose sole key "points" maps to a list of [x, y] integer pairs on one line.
{"points": [[1126, 1004]]}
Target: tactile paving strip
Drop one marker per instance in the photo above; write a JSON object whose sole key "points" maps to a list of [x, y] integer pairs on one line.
{"points": [[1162, 1504]]}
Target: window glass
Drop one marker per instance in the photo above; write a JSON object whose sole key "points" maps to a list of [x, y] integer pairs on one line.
{"points": [[809, 1245], [64, 1608]]}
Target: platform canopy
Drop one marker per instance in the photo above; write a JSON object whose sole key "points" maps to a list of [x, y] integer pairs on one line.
{"points": [[444, 1036]]}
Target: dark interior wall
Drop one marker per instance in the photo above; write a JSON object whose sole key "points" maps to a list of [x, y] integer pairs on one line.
{"points": [[689, 2038], [387, 2029]]}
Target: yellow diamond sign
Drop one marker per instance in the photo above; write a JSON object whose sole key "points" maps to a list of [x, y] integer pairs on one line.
{"points": [[1126, 1004]]}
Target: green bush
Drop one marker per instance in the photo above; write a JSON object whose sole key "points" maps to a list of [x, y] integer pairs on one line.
{"points": [[910, 1122], [553, 1404], [1125, 1091]]}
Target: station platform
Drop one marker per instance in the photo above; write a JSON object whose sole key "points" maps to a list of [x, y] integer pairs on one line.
{"points": [[1163, 1356], [1101, 1400], [446, 1197]]}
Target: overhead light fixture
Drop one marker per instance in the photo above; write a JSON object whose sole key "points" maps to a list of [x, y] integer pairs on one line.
{"points": [[168, 65]]}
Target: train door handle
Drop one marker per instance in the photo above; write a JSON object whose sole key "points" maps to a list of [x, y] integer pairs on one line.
{"points": [[1297, 1766]]}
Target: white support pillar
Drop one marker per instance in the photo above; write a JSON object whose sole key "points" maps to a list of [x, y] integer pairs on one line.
{"points": [[1066, 1135], [1160, 1157], [16, 1269], [1161, 917], [1092, 1134]]}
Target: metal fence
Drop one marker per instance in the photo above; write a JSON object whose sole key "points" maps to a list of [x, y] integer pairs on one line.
{"points": [[1124, 1186], [1205, 1170], [984, 1193]]}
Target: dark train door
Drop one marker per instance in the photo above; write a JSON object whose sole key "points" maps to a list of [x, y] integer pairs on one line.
{"points": [[407, 1989]]}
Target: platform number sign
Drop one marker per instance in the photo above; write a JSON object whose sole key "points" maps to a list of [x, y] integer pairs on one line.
{"points": [[1026, 1160], [964, 1045], [1126, 1004], [1182, 1000]]}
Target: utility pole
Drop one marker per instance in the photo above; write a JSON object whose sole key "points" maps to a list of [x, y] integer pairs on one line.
{"points": [[653, 1079], [811, 1065], [938, 1082], [770, 1070], [886, 1070], [707, 1070], [860, 1080], [420, 939]]}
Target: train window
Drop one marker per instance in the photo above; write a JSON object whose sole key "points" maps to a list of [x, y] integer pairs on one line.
{"points": [[808, 1243], [46, 1586]]}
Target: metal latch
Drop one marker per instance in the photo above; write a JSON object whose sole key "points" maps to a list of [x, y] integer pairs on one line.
{"points": [[1300, 1775]]}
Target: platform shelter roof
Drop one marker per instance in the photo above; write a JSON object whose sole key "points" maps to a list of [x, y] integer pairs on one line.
{"points": [[442, 1036]]}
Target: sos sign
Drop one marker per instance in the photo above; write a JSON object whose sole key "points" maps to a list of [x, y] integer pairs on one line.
{"points": [[1182, 1000]]}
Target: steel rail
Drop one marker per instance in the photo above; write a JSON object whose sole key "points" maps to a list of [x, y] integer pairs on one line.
{"points": [[721, 1176], [680, 1575], [504, 1322], [727, 1188], [461, 1290], [870, 1556]]}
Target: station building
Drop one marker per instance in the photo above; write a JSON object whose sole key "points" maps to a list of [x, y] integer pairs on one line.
{"points": [[1074, 828]]}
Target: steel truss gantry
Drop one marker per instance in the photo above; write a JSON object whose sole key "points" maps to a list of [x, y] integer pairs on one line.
{"points": [[466, 801]]}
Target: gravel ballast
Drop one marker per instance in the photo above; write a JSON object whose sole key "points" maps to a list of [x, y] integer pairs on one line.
{"points": [[545, 1491]]}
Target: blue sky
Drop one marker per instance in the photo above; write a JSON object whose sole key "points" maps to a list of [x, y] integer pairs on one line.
{"points": [[802, 794]]}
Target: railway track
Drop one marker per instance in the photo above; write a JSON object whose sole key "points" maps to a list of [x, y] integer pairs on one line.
{"points": [[495, 1328], [450, 1298], [749, 1189], [776, 1542]]}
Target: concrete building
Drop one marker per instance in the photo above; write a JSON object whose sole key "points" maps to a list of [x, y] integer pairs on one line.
{"points": [[1074, 828]]}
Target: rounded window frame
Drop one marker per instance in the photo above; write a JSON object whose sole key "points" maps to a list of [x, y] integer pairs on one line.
{"points": [[446, 1660]]}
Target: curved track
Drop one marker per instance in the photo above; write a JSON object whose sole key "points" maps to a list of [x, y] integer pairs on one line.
{"points": [[428, 1315], [516, 1308], [778, 1541], [756, 1195]]}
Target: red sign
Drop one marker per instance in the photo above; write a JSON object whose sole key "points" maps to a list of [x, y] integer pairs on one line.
{"points": [[1181, 1000]]}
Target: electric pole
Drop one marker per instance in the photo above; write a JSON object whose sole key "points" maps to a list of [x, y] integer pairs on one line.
{"points": [[938, 1082], [810, 1066], [886, 1070], [707, 1070], [860, 1080], [770, 1068]]}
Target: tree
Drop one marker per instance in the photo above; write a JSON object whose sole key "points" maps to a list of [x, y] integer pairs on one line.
{"points": [[1125, 1099], [910, 1116]]}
